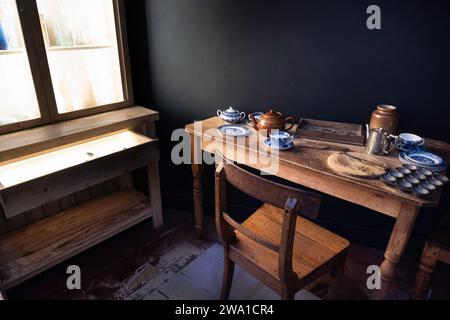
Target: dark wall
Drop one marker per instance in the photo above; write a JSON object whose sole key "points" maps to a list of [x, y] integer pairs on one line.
{"points": [[310, 58]]}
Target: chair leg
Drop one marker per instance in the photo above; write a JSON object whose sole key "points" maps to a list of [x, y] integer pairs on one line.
{"points": [[228, 271], [337, 274], [427, 263], [288, 295]]}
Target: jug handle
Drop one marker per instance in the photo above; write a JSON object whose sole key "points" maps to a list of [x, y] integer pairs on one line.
{"points": [[219, 113], [243, 115], [290, 118], [394, 140]]}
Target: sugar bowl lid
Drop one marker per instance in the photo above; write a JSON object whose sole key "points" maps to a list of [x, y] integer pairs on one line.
{"points": [[231, 111]]}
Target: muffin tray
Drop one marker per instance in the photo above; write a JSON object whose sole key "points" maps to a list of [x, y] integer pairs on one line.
{"points": [[418, 181]]}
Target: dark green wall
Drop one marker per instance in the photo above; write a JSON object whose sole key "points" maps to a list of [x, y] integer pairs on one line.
{"points": [[309, 58]]}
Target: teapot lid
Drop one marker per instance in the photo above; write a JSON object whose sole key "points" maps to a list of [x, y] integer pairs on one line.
{"points": [[272, 114]]}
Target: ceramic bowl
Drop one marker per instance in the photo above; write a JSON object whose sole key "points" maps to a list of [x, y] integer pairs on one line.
{"points": [[231, 115]]}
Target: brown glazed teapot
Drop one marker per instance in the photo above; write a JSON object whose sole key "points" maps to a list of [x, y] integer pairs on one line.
{"points": [[272, 120]]}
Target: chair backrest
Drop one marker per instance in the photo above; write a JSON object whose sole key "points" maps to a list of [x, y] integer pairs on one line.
{"points": [[268, 191]]}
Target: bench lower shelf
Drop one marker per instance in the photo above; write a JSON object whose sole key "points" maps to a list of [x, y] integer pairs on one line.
{"points": [[42, 245]]}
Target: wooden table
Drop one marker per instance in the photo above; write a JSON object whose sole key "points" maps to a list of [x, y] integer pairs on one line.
{"points": [[306, 165]]}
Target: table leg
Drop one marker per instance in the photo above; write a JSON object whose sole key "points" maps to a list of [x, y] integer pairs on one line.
{"points": [[399, 239], [155, 193], [197, 173]]}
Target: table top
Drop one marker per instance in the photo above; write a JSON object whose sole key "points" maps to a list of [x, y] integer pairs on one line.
{"points": [[312, 155]]}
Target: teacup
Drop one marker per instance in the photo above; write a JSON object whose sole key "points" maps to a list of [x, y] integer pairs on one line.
{"points": [[409, 142], [280, 139], [255, 115]]}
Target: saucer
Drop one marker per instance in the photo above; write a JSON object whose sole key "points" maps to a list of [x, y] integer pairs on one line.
{"points": [[234, 130], [431, 168], [289, 146], [424, 158]]}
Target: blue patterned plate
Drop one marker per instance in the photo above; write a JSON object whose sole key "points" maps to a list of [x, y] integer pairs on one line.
{"points": [[423, 159], [234, 130]]}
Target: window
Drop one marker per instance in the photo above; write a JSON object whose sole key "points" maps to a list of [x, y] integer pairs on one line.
{"points": [[18, 99], [76, 66]]}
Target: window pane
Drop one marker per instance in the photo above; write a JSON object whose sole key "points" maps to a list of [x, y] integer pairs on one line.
{"points": [[18, 100], [82, 50]]}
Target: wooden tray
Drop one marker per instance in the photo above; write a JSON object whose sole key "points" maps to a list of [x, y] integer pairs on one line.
{"points": [[331, 131]]}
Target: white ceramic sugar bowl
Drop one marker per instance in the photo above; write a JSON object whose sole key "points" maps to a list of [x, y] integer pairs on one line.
{"points": [[231, 115]]}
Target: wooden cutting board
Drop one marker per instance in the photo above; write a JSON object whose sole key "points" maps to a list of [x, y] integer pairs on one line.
{"points": [[357, 165]]}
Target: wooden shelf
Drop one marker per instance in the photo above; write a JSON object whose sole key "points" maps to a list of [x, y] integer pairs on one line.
{"points": [[42, 245], [78, 48], [28, 168], [25, 142]]}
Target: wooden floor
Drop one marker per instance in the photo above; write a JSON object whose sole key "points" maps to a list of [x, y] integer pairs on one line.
{"points": [[142, 263]]}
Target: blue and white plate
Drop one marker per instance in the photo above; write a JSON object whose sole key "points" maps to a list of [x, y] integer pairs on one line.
{"points": [[423, 159], [234, 130], [288, 146]]}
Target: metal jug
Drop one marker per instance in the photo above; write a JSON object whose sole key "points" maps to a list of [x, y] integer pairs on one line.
{"points": [[380, 142]]}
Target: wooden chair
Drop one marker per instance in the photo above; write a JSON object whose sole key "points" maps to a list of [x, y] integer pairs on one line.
{"points": [[283, 250], [437, 249]]}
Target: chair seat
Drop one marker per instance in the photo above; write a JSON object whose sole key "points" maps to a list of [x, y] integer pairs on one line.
{"points": [[314, 246]]}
